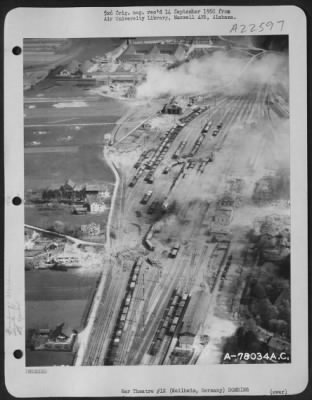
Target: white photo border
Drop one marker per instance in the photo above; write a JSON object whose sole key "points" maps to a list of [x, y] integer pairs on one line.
{"points": [[23, 23]]}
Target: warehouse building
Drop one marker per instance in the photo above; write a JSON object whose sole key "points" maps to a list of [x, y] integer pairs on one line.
{"points": [[153, 52], [193, 318], [172, 108], [70, 191]]}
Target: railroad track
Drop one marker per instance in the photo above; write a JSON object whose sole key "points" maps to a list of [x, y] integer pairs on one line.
{"points": [[90, 355], [268, 138], [200, 256], [129, 332], [103, 326], [231, 118], [136, 345], [138, 307], [152, 323], [141, 323]]}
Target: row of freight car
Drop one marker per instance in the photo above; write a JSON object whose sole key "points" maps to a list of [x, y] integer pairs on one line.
{"points": [[156, 157], [223, 248], [179, 149], [225, 271], [171, 320], [195, 113], [162, 149], [124, 310], [196, 146], [201, 163]]}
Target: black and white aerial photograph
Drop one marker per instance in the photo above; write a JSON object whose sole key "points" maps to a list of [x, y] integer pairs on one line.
{"points": [[157, 200]]}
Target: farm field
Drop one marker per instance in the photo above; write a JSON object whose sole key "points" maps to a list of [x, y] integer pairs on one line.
{"points": [[67, 135], [62, 111], [54, 297], [58, 285], [49, 88], [44, 358], [50, 313], [87, 165]]}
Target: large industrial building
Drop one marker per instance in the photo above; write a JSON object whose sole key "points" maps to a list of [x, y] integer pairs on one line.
{"points": [[72, 191], [153, 52], [192, 320]]}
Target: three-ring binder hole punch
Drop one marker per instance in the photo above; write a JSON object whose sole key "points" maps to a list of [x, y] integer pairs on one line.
{"points": [[18, 354], [16, 50], [16, 201]]}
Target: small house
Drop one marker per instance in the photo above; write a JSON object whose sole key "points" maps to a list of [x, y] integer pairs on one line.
{"points": [[97, 208], [79, 210], [226, 201], [94, 188]]}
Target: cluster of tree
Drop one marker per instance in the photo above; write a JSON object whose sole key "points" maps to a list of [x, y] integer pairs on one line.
{"points": [[263, 243], [278, 186], [269, 304], [244, 341], [29, 265], [284, 267]]}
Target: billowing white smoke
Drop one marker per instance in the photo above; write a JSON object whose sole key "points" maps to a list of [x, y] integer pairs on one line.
{"points": [[218, 72]]}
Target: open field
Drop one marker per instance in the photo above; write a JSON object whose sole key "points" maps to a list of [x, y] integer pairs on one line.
{"points": [[50, 313], [64, 136], [48, 358], [97, 110], [58, 285], [54, 297], [87, 165], [39, 150], [52, 90]]}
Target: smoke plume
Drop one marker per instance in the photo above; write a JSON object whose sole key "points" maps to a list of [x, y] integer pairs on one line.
{"points": [[215, 73]]}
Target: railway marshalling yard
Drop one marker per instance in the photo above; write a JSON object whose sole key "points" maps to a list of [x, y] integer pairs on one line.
{"points": [[177, 255], [176, 264]]}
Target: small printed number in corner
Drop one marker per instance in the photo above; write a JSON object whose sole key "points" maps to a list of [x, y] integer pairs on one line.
{"points": [[257, 357], [36, 371], [282, 392]]}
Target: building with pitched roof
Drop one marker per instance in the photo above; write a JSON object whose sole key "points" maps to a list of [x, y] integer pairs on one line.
{"points": [[153, 52], [72, 192]]}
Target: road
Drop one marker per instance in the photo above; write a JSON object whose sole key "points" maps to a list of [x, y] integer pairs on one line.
{"points": [[84, 337], [67, 237], [61, 124]]}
